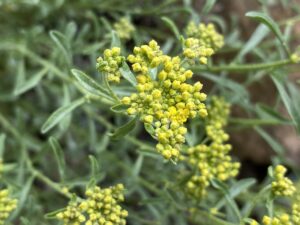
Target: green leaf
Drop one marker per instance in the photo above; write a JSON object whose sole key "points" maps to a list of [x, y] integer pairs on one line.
{"points": [[23, 196], [278, 148], [269, 113], [236, 189], [150, 129], [95, 168], [31, 83], [90, 85], [53, 214], [124, 130], [172, 26], [127, 74], [115, 40], [119, 108], [269, 22], [258, 35], [62, 43], [290, 97], [231, 203], [59, 156], [59, 114], [209, 4], [2, 140]]}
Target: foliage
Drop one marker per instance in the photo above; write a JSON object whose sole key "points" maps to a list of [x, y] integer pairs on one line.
{"points": [[88, 99]]}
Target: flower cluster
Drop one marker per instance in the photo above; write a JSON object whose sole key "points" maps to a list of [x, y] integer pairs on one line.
{"points": [[124, 28], [193, 50], [99, 208], [7, 205], [283, 219], [110, 63], [206, 34], [212, 160], [164, 99], [282, 186]]}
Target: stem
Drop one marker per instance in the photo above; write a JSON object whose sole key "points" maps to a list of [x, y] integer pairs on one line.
{"points": [[243, 67]]}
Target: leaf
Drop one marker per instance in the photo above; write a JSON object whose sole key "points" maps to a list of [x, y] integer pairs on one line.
{"points": [[31, 83], [23, 196], [124, 130], [236, 189], [278, 148], [138, 166], [150, 129], [127, 74], [115, 40], [59, 156], [269, 22], [59, 114], [2, 140], [119, 108], [153, 73], [172, 26], [290, 101], [231, 203], [269, 113], [209, 4], [90, 85], [62, 43], [258, 35], [95, 168]]}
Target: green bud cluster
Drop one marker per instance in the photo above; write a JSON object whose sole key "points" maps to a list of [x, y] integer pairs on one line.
{"points": [[206, 34], [124, 28], [193, 50], [99, 208], [7, 205], [212, 160], [166, 102], [110, 63], [281, 185]]}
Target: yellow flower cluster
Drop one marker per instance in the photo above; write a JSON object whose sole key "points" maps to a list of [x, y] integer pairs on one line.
{"points": [[206, 34], [110, 63], [165, 102], [124, 28], [99, 208], [7, 205], [296, 213], [283, 219], [213, 160], [282, 186], [193, 50]]}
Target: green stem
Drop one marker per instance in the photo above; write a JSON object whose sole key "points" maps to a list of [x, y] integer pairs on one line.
{"points": [[243, 67]]}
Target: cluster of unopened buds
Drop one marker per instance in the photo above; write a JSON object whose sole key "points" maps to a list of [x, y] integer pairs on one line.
{"points": [[124, 28], [101, 207], [7, 205], [164, 100], [212, 160], [110, 63], [281, 185]]}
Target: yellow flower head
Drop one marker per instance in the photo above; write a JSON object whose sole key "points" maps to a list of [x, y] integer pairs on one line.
{"points": [[110, 64], [206, 34], [281, 185], [213, 160], [166, 100], [124, 28], [100, 207], [7, 205]]}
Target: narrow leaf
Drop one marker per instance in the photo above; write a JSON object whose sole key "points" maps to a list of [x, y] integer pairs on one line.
{"points": [[59, 114], [172, 26], [115, 40], [119, 108], [268, 21], [124, 130], [90, 85], [31, 83], [62, 43], [2, 140], [209, 4], [59, 156], [127, 74]]}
